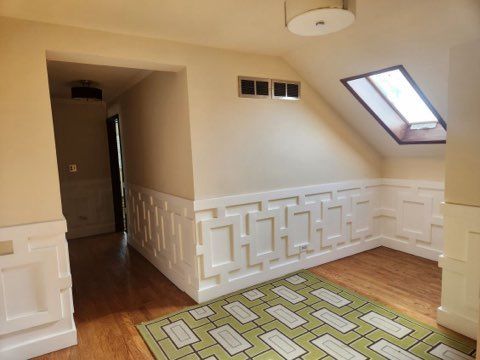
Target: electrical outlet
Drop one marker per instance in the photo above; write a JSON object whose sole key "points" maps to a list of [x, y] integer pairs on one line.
{"points": [[72, 168], [303, 247]]}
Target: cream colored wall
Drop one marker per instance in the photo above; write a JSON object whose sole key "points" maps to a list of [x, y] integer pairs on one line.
{"points": [[463, 141], [460, 263], [81, 139], [238, 145], [243, 145], [29, 189], [432, 169], [156, 134]]}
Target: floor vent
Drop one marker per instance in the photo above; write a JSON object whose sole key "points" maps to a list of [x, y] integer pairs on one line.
{"points": [[286, 90], [253, 87]]}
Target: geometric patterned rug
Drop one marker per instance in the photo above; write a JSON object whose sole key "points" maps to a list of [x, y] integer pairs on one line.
{"points": [[298, 316]]}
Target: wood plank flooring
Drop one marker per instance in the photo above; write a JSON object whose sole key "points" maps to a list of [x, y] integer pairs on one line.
{"points": [[114, 288]]}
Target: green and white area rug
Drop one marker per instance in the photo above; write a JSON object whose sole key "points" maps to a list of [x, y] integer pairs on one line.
{"points": [[299, 316]]}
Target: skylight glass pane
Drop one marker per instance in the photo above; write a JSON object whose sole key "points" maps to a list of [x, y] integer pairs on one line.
{"points": [[398, 90]]}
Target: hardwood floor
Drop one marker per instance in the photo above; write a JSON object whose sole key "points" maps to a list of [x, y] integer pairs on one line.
{"points": [[407, 283], [114, 288]]}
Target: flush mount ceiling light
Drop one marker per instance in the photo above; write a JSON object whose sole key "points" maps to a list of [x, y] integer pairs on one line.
{"points": [[318, 17], [86, 91]]}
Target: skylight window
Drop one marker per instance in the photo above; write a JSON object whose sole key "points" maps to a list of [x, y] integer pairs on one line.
{"points": [[396, 102]]}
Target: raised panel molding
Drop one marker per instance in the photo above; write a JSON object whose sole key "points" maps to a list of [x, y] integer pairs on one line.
{"points": [[459, 308], [88, 207], [211, 247], [35, 319], [308, 226], [161, 227]]}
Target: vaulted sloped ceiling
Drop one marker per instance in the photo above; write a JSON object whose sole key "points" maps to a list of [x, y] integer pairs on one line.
{"points": [[415, 33]]}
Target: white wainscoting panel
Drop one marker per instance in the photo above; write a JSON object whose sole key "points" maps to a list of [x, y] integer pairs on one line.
{"points": [[35, 286], [88, 207], [246, 239], [161, 227], [461, 270], [212, 247], [411, 217]]}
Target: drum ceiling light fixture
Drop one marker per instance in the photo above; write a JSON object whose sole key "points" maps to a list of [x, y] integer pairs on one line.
{"points": [[318, 17], [86, 91]]}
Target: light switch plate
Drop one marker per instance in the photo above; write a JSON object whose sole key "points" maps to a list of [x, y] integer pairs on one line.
{"points": [[72, 168]]}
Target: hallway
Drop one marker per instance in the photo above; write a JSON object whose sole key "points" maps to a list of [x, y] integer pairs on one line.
{"points": [[114, 288]]}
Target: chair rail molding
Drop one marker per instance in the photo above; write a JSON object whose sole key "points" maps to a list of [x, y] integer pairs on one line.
{"points": [[35, 319], [459, 308]]}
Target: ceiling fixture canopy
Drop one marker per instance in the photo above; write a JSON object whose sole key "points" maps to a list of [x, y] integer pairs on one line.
{"points": [[86, 91], [318, 17]]}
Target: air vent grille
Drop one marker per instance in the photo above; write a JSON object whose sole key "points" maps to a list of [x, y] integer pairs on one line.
{"points": [[286, 90], [253, 87], [293, 91], [264, 88], [279, 89], [247, 87]]}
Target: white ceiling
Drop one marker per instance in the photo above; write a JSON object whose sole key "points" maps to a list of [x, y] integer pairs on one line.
{"points": [[112, 80], [415, 33]]}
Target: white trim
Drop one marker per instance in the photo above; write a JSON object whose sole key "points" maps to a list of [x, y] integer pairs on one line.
{"points": [[457, 322], [161, 228], [242, 283], [42, 346], [349, 217], [40, 254], [317, 224], [461, 269]]}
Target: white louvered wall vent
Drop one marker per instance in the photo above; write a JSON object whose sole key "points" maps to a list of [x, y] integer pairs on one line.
{"points": [[253, 87], [285, 90], [267, 88]]}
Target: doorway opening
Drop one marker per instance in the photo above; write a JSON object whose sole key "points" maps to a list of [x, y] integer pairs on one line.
{"points": [[89, 144], [116, 170], [105, 147]]}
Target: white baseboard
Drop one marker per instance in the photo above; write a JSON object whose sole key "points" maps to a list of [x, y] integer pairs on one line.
{"points": [[41, 346], [319, 259], [457, 322], [409, 248], [90, 230]]}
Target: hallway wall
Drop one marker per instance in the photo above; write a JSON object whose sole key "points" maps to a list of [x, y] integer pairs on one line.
{"points": [[155, 129], [81, 139]]}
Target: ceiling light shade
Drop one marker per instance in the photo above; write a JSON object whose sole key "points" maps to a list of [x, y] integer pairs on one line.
{"points": [[86, 91], [318, 17]]}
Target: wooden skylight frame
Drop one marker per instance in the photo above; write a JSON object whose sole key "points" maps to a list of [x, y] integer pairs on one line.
{"points": [[397, 125]]}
